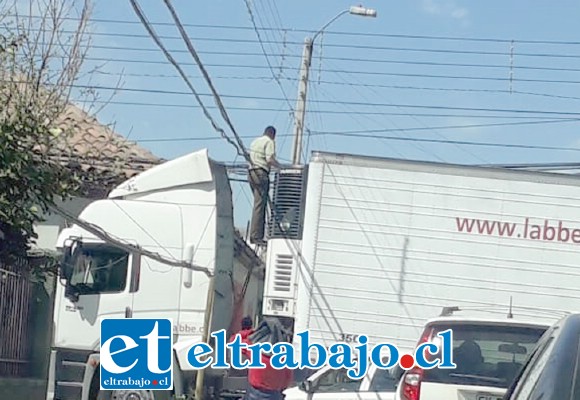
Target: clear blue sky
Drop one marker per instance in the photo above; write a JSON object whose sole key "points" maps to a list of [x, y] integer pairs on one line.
{"points": [[364, 61]]}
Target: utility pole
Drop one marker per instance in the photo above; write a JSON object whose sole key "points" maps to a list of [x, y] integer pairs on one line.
{"points": [[300, 113], [301, 101]]}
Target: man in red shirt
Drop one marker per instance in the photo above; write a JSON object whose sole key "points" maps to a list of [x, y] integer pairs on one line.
{"points": [[264, 383], [246, 331]]}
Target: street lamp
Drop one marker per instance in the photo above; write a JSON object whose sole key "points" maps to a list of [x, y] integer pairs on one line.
{"points": [[303, 83]]}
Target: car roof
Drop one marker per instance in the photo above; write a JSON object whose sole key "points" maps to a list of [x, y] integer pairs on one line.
{"points": [[486, 321], [569, 324]]}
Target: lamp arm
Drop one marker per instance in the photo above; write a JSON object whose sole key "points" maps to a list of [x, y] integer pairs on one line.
{"points": [[340, 14]]}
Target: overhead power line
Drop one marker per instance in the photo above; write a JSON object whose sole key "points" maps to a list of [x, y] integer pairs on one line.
{"points": [[355, 103], [447, 89], [344, 33], [208, 80], [334, 112], [346, 83], [398, 138], [351, 59], [249, 8], [106, 237], [269, 109], [446, 127], [368, 134], [154, 36], [353, 46], [359, 72], [331, 58], [245, 153]]}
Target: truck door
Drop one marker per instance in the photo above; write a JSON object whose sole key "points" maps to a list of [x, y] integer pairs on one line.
{"points": [[101, 285]]}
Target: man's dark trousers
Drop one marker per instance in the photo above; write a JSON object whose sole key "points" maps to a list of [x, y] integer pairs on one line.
{"points": [[260, 182], [253, 393]]}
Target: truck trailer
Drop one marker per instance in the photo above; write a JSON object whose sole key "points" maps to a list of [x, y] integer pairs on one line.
{"points": [[356, 245], [374, 246]]}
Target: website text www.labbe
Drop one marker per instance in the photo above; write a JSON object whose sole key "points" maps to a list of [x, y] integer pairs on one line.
{"points": [[546, 230]]}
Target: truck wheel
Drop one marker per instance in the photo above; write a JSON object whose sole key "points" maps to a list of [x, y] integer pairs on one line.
{"points": [[139, 395], [131, 395]]}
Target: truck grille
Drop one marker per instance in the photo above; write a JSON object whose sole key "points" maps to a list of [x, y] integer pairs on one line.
{"points": [[283, 273]]}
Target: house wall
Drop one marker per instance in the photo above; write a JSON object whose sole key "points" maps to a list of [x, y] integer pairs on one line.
{"points": [[49, 229], [32, 385]]}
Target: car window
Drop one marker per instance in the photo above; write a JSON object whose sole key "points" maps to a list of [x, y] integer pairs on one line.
{"points": [[552, 374], [337, 381], [382, 381], [486, 355], [531, 378]]}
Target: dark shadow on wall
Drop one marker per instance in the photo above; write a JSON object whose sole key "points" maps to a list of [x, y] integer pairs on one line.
{"points": [[41, 314]]}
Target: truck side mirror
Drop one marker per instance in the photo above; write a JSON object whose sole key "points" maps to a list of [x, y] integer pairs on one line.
{"points": [[71, 251], [69, 257], [65, 262], [135, 272], [71, 294]]}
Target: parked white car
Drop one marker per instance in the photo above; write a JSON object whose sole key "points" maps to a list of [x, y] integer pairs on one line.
{"points": [[488, 353], [331, 384]]}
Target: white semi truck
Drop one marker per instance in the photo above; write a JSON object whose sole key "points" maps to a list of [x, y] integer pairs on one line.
{"points": [[356, 245], [180, 210]]}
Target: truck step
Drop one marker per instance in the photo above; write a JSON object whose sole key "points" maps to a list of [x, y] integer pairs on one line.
{"points": [[74, 364], [70, 384]]}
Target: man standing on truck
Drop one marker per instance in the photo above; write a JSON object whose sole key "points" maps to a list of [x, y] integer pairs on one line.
{"points": [[263, 157]]}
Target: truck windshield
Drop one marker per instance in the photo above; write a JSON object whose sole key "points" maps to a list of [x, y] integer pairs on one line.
{"points": [[99, 269], [486, 355]]}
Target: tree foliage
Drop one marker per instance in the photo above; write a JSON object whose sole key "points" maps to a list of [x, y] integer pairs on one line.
{"points": [[41, 55]]}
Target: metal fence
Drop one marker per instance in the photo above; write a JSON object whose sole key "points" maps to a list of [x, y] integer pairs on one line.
{"points": [[15, 321]]}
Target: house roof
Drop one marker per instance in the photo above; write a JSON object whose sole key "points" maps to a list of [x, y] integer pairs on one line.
{"points": [[101, 156]]}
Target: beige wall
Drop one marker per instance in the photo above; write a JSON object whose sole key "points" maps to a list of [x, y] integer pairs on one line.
{"points": [[49, 229]]}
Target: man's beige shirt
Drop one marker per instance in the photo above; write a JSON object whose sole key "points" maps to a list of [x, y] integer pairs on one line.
{"points": [[261, 150]]}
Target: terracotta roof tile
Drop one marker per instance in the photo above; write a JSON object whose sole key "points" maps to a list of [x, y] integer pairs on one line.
{"points": [[99, 155], [97, 147], [103, 157]]}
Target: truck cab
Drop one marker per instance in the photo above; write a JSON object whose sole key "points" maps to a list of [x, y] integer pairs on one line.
{"points": [[113, 267]]}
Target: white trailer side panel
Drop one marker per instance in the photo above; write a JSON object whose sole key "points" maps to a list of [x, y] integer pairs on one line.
{"points": [[383, 242]]}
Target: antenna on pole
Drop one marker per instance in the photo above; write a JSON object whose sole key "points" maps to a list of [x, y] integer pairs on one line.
{"points": [[510, 313]]}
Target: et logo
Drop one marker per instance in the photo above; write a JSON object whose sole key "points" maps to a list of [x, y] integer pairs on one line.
{"points": [[136, 354]]}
